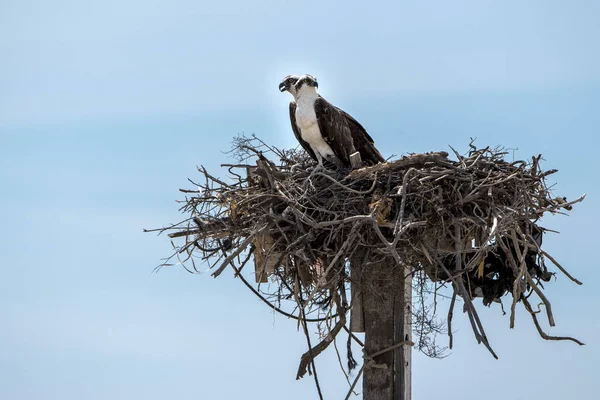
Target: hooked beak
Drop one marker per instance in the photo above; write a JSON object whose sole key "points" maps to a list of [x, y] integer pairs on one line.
{"points": [[283, 87]]}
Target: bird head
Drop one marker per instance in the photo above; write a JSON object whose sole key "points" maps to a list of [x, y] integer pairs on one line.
{"points": [[306, 87], [306, 80], [289, 84]]}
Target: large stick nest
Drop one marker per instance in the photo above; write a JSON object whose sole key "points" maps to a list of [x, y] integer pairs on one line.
{"points": [[471, 223]]}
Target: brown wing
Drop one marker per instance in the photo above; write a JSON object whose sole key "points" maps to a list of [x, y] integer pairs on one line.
{"points": [[335, 128], [363, 143], [296, 130], [355, 122], [350, 136]]}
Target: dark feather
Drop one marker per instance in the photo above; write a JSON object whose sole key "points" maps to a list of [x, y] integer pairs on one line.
{"points": [[363, 143], [335, 129], [344, 134]]}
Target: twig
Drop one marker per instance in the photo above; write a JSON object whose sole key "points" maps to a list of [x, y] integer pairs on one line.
{"points": [[450, 315], [564, 271], [236, 252], [358, 375], [539, 328]]}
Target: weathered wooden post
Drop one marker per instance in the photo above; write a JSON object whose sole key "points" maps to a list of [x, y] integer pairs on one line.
{"points": [[382, 309]]}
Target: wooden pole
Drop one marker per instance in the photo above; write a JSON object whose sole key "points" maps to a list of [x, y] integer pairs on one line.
{"points": [[387, 306], [378, 306]]}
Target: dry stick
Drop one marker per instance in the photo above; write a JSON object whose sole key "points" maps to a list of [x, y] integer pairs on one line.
{"points": [[450, 315], [539, 328], [503, 180], [556, 263], [517, 282], [477, 157], [263, 270], [458, 248], [564, 271], [465, 296], [542, 297], [339, 357], [166, 228], [484, 338], [346, 220], [236, 252], [212, 178], [471, 312], [516, 272], [347, 188], [323, 280], [310, 359], [476, 192], [267, 302], [351, 238], [562, 205], [460, 158], [354, 383], [353, 336], [218, 231], [438, 158], [311, 354], [400, 216], [342, 292], [187, 245], [386, 243]]}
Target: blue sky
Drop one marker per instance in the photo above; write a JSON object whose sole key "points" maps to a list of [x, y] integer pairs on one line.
{"points": [[106, 107]]}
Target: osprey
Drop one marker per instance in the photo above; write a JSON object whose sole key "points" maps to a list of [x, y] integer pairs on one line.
{"points": [[325, 131]]}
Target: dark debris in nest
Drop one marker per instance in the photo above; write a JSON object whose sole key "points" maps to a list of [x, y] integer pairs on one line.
{"points": [[470, 223]]}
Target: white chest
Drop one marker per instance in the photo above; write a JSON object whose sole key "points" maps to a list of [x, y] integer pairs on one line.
{"points": [[306, 119], [305, 114]]}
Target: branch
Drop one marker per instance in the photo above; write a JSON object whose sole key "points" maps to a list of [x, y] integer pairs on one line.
{"points": [[539, 328]]}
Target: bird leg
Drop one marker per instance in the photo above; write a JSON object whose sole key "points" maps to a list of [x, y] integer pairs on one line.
{"points": [[317, 168]]}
